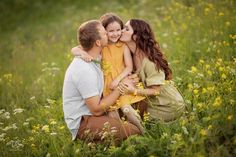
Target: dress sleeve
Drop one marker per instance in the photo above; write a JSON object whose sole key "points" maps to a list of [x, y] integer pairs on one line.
{"points": [[153, 76]]}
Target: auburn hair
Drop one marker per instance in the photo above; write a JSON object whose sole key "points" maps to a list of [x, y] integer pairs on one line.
{"points": [[145, 41]]}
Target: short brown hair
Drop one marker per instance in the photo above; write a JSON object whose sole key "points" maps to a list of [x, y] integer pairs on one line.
{"points": [[88, 33]]}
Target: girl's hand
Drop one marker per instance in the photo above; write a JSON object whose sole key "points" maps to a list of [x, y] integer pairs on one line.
{"points": [[78, 51], [114, 84], [86, 57]]}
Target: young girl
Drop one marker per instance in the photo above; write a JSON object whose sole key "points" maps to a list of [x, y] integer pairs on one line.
{"points": [[165, 101], [116, 65]]}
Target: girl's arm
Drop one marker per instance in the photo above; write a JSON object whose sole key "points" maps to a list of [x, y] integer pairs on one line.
{"points": [[128, 68], [78, 51]]}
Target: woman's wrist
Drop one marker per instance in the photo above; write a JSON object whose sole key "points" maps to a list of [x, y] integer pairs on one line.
{"points": [[134, 91]]}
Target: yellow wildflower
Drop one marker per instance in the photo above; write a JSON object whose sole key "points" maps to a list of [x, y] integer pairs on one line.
{"points": [[195, 91], [209, 127], [234, 60], [207, 66], [199, 105], [7, 76], [206, 11], [61, 127], [230, 117], [146, 116], [203, 132], [33, 131], [209, 72], [223, 76], [53, 122], [232, 36], [211, 88], [200, 155], [201, 61], [183, 122], [221, 68], [204, 90], [106, 67], [190, 86], [31, 138], [193, 69], [221, 14], [140, 85], [217, 102], [46, 128], [234, 140], [227, 23], [36, 127], [210, 5], [157, 93]]}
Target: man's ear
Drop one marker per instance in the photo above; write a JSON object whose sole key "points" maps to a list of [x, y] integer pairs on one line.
{"points": [[98, 43]]}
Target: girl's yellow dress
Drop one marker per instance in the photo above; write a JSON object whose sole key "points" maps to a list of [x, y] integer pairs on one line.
{"points": [[113, 65]]}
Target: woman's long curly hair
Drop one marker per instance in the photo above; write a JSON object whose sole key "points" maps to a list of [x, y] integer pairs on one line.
{"points": [[145, 41]]}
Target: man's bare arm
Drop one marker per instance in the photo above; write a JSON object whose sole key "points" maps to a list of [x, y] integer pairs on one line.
{"points": [[97, 107]]}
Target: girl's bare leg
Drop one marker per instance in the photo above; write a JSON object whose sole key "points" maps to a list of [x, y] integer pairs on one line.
{"points": [[132, 116]]}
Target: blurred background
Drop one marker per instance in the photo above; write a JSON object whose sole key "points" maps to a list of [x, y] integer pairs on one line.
{"points": [[198, 37]]}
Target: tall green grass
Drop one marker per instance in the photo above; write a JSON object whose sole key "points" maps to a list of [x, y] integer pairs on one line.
{"points": [[198, 38]]}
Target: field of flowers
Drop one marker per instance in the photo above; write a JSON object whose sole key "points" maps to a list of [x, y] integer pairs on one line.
{"points": [[198, 38]]}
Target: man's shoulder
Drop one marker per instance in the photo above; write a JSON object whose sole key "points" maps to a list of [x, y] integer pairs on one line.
{"points": [[78, 65]]}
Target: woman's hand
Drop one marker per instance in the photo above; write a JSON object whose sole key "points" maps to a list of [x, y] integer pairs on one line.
{"points": [[126, 86], [135, 78]]}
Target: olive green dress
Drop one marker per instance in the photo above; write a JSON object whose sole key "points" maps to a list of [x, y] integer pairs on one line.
{"points": [[169, 103]]}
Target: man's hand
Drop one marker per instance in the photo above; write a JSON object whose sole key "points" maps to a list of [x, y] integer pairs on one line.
{"points": [[114, 84]]}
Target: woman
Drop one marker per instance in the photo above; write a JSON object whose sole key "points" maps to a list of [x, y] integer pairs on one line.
{"points": [[164, 100]]}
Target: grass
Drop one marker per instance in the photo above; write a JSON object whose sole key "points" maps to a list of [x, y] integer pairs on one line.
{"points": [[198, 37]]}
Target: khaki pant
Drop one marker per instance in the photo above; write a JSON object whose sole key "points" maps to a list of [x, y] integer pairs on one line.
{"points": [[92, 128]]}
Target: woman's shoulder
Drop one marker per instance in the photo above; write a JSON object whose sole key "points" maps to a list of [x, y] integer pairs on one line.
{"points": [[150, 66], [147, 63]]}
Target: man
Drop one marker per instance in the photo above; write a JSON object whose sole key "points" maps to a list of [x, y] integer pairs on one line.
{"points": [[83, 107]]}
